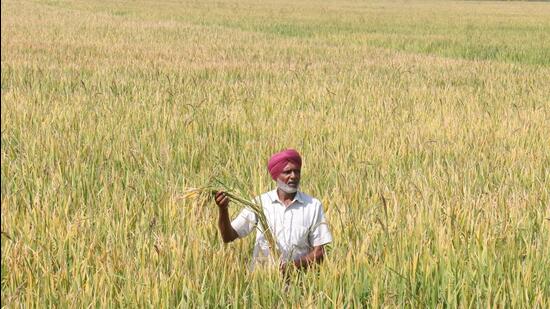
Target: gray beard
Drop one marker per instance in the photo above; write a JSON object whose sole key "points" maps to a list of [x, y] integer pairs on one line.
{"points": [[286, 188]]}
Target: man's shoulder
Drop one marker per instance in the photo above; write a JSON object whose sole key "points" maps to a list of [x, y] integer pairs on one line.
{"points": [[265, 197], [308, 199], [268, 194]]}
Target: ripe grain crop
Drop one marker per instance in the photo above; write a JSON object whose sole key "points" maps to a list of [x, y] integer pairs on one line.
{"points": [[424, 128]]}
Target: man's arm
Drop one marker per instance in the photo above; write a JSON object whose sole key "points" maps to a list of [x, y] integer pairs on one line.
{"points": [[228, 232], [319, 235], [315, 256]]}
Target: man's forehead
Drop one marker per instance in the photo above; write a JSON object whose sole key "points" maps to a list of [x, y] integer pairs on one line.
{"points": [[291, 166]]}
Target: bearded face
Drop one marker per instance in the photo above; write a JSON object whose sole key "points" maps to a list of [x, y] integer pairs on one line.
{"points": [[289, 179]]}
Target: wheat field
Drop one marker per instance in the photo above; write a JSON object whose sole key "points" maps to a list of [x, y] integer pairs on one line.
{"points": [[424, 127]]}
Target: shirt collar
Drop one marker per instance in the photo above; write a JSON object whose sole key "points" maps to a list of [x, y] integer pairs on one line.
{"points": [[275, 198]]}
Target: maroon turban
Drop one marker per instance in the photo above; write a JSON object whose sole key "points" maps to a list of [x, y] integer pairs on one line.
{"points": [[279, 160]]}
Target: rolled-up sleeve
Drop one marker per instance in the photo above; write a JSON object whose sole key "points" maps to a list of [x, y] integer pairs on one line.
{"points": [[320, 233], [244, 223]]}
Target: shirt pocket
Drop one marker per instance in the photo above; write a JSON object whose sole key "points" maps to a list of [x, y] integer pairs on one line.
{"points": [[299, 237]]}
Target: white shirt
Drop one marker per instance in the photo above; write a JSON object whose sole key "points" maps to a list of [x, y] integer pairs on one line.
{"points": [[297, 227]]}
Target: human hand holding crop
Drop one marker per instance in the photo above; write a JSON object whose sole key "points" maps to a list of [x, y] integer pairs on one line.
{"points": [[285, 268], [222, 200]]}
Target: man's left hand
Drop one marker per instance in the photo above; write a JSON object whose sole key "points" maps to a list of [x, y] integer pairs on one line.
{"points": [[285, 268]]}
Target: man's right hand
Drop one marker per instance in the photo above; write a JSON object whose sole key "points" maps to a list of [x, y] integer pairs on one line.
{"points": [[222, 200]]}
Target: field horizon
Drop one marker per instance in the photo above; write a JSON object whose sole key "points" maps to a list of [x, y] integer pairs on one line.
{"points": [[423, 126]]}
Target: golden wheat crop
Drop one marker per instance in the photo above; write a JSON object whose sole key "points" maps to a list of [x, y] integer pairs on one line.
{"points": [[424, 128]]}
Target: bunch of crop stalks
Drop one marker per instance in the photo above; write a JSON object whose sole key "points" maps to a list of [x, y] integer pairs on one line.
{"points": [[205, 195]]}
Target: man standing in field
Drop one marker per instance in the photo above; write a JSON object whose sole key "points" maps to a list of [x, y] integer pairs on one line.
{"points": [[296, 219]]}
